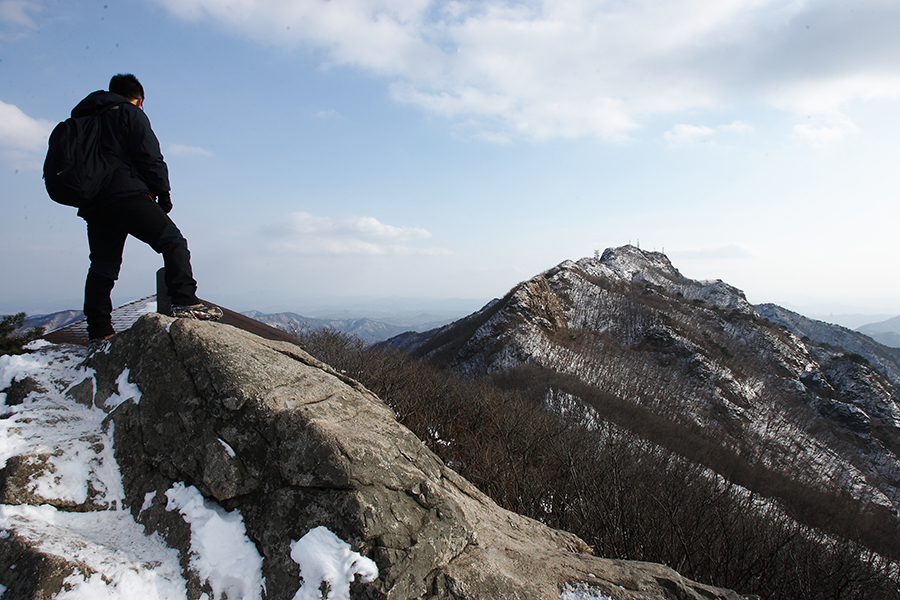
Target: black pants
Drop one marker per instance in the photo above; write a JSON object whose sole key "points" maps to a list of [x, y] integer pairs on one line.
{"points": [[107, 229]]}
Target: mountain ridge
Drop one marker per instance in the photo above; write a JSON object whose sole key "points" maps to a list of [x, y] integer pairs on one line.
{"points": [[885, 332], [628, 327], [885, 357]]}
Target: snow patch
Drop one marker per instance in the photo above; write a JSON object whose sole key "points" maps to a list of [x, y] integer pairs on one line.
{"points": [[228, 449], [126, 391], [325, 558], [128, 564], [221, 553], [67, 440], [16, 367], [148, 501], [582, 591]]}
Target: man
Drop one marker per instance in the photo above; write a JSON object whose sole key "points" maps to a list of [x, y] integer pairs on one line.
{"points": [[135, 202]]}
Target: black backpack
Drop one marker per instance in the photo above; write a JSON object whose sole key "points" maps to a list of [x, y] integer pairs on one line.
{"points": [[78, 164]]}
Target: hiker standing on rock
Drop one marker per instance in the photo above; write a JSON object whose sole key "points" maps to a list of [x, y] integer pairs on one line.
{"points": [[134, 202]]}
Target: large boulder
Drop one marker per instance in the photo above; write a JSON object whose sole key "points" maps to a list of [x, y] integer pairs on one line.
{"points": [[262, 427]]}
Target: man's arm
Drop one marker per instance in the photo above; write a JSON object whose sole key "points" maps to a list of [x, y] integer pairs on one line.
{"points": [[144, 149]]}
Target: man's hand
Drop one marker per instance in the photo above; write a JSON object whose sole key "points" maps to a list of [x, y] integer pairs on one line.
{"points": [[165, 202]]}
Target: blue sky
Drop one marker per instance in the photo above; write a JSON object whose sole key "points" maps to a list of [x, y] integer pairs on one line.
{"points": [[322, 151]]}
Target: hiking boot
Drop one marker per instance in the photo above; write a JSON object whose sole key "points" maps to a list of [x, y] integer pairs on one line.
{"points": [[99, 344], [197, 311]]}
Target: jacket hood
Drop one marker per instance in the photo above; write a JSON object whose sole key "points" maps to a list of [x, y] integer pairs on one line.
{"points": [[95, 101]]}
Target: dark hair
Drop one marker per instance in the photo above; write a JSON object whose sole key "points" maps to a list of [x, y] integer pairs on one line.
{"points": [[126, 85]]}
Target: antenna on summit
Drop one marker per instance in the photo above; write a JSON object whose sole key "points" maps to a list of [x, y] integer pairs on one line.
{"points": [[596, 254]]}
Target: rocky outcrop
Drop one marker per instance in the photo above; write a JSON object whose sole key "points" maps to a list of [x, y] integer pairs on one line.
{"points": [[536, 302], [262, 428]]}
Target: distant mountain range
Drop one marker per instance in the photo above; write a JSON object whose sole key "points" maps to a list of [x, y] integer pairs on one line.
{"points": [[368, 330], [885, 332], [51, 321], [373, 330]]}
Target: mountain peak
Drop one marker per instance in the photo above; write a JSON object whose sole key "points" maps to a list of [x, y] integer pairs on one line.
{"points": [[630, 262]]}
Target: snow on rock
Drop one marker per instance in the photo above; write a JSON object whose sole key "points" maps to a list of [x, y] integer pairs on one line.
{"points": [[125, 391], [582, 592], [324, 558], [629, 263], [61, 442], [64, 465], [882, 358], [116, 559], [64, 495], [221, 553]]}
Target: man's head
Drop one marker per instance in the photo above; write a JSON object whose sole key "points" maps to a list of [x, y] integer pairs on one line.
{"points": [[127, 85]]}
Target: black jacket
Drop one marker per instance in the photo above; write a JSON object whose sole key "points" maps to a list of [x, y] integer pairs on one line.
{"points": [[126, 129]]}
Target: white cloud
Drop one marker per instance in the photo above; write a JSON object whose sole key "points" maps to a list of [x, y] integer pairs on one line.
{"points": [[15, 12], [22, 138], [16, 19], [824, 103], [683, 134], [571, 68], [737, 127], [20, 132], [182, 150], [829, 95], [825, 132], [304, 233], [689, 135], [328, 114], [371, 227]]}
